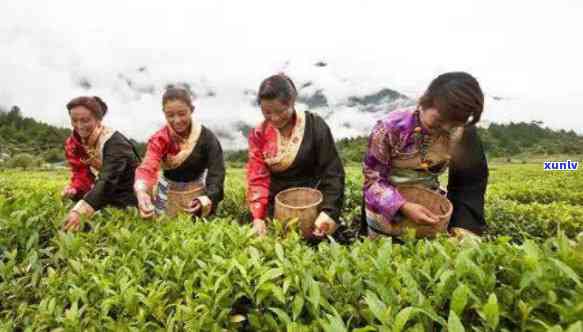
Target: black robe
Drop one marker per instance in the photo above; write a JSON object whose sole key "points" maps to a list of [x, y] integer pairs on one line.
{"points": [[317, 165], [114, 185], [207, 155], [468, 179]]}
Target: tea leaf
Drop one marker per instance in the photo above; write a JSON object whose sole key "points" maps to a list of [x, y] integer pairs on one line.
{"points": [[454, 324]]}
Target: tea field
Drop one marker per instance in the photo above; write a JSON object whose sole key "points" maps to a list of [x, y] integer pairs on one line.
{"points": [[127, 274]]}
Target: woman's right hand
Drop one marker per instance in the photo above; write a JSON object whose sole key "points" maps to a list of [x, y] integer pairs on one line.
{"points": [[72, 222], [145, 204], [69, 192], [259, 227], [419, 214]]}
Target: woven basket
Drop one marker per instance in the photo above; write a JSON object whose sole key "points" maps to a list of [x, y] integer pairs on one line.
{"points": [[433, 201], [302, 203], [178, 201]]}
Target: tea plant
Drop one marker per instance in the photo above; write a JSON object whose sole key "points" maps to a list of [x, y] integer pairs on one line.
{"points": [[125, 273]]}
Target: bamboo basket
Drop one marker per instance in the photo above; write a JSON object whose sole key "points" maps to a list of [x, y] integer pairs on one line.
{"points": [[302, 203], [436, 203], [178, 201]]}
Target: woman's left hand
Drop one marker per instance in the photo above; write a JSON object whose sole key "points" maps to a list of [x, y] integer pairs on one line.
{"points": [[72, 222]]}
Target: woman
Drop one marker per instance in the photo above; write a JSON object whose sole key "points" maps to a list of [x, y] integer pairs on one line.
{"points": [[415, 146], [291, 149], [102, 162], [191, 158]]}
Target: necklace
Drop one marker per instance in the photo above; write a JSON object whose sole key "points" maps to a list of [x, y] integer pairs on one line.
{"points": [[423, 141]]}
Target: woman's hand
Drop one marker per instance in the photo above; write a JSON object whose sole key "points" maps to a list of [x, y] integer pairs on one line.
{"points": [[145, 204], [324, 225], [73, 221], [195, 208], [259, 227], [69, 192], [419, 214]]}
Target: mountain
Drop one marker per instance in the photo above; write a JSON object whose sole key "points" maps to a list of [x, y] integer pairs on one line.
{"points": [[349, 103], [350, 99]]}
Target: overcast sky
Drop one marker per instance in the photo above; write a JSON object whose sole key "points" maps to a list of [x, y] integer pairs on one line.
{"points": [[529, 52]]}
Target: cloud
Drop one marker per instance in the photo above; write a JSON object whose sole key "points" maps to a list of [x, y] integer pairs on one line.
{"points": [[127, 52]]}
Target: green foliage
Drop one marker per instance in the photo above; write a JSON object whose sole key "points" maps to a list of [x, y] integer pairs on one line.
{"points": [[54, 155], [352, 150], [26, 135], [514, 138], [24, 161], [500, 140], [236, 158], [130, 274]]}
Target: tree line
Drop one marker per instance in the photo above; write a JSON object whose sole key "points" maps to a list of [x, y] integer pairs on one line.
{"points": [[28, 143]]}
